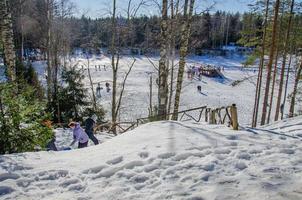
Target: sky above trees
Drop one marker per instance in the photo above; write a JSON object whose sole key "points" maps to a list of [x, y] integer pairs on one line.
{"points": [[100, 8]]}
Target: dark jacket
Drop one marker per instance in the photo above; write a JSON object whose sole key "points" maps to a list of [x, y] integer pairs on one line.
{"points": [[89, 124]]}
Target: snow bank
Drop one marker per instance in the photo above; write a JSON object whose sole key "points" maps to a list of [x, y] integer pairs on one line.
{"points": [[164, 160]]}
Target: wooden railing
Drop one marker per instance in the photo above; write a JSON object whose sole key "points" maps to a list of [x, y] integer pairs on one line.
{"points": [[223, 115]]}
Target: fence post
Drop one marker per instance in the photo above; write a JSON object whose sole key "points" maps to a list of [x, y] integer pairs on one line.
{"points": [[206, 114], [234, 117], [212, 117]]}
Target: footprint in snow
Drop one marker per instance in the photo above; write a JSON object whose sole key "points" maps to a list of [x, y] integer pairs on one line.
{"points": [[69, 182], [6, 176], [222, 151], [139, 179], [208, 167], [115, 161], [195, 198], [240, 166], [232, 137], [94, 170], [166, 155], [52, 174], [24, 182], [244, 156], [143, 154], [287, 151], [5, 190]]}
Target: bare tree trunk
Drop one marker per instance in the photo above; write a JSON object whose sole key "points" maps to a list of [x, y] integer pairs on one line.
{"points": [[21, 30], [114, 64], [285, 46], [275, 70], [91, 85], [49, 49], [286, 84], [172, 49], [260, 71], [227, 29], [186, 30], [119, 102], [293, 97], [150, 100], [8, 40], [163, 68], [56, 104], [270, 63]]}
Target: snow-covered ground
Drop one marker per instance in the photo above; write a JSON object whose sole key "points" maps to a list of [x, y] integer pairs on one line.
{"points": [[166, 160], [215, 92]]}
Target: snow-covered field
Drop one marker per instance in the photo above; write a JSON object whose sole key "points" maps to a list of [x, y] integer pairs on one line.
{"points": [[166, 160], [215, 92]]}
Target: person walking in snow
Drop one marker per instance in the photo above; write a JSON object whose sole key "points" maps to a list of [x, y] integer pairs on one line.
{"points": [[107, 87], [282, 109], [79, 135], [89, 128], [98, 90], [189, 73], [199, 88]]}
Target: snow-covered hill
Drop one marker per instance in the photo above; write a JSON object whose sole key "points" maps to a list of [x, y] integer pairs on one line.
{"points": [[166, 160]]}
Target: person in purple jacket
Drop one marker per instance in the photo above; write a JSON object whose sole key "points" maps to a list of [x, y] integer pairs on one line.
{"points": [[79, 135]]}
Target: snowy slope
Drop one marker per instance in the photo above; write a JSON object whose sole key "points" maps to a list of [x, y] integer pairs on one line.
{"points": [[165, 160]]}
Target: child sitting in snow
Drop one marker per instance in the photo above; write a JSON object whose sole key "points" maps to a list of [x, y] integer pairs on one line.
{"points": [[78, 135]]}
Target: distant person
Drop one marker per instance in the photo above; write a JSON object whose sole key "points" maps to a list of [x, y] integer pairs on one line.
{"points": [[79, 135], [104, 67], [107, 87], [193, 71], [96, 68], [89, 128], [196, 71], [282, 109], [199, 88], [199, 76], [100, 67], [189, 73], [98, 90]]}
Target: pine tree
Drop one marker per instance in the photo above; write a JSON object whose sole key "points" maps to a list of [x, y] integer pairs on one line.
{"points": [[21, 119], [72, 95]]}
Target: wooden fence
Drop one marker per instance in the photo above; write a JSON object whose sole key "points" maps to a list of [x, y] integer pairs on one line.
{"points": [[223, 115]]}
